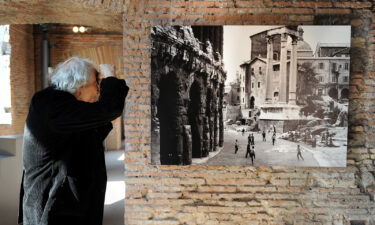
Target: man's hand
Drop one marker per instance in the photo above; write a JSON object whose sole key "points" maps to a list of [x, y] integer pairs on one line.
{"points": [[107, 70]]}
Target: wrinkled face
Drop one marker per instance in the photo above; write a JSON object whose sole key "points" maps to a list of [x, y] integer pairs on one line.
{"points": [[89, 92]]}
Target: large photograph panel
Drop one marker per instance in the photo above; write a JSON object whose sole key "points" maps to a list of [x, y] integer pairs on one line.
{"points": [[250, 95]]}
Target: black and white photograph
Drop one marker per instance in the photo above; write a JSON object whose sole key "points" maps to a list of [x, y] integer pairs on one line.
{"points": [[250, 95]]}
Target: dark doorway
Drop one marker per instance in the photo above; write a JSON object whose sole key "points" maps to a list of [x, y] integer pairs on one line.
{"points": [[333, 93], [168, 120], [195, 119], [252, 102], [344, 93]]}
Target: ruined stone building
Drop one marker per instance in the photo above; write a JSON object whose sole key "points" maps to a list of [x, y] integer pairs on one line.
{"points": [[270, 76], [187, 94]]}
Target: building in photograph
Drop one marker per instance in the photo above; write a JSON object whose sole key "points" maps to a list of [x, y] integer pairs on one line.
{"points": [[331, 62], [273, 77], [234, 92], [270, 76], [187, 93]]}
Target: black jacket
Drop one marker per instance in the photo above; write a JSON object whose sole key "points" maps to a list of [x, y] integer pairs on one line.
{"points": [[65, 176]]}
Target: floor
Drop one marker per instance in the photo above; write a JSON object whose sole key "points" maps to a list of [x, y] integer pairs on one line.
{"points": [[115, 194]]}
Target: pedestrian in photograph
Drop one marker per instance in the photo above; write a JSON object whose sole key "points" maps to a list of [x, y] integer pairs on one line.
{"points": [[252, 154], [249, 139], [273, 138], [243, 131], [264, 135], [252, 139], [235, 147], [299, 153], [64, 172], [247, 150]]}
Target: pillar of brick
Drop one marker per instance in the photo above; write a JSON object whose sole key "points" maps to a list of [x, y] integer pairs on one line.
{"points": [[113, 140]]}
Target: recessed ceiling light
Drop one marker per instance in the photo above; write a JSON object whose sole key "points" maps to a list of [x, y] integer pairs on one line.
{"points": [[75, 29], [82, 29]]}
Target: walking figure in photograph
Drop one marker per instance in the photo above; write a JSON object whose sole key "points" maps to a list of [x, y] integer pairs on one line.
{"points": [[251, 152], [273, 138], [236, 147], [64, 174], [247, 150], [252, 139], [299, 153], [264, 135]]}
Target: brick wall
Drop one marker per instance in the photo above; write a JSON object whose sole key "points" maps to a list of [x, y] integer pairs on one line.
{"points": [[21, 76], [249, 195]]}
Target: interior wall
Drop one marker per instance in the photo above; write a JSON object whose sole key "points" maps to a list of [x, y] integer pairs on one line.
{"points": [[249, 195], [63, 40], [22, 77]]}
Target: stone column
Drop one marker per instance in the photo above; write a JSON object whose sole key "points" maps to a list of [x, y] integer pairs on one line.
{"points": [[269, 69], [283, 69], [215, 119], [210, 115], [206, 120], [220, 109], [293, 73]]}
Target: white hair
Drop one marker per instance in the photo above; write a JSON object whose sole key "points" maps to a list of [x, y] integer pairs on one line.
{"points": [[72, 74]]}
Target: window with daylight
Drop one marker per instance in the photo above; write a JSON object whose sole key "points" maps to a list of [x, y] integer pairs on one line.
{"points": [[5, 104], [346, 66]]}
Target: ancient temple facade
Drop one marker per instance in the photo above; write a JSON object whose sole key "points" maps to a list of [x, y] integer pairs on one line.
{"points": [[278, 107], [187, 78]]}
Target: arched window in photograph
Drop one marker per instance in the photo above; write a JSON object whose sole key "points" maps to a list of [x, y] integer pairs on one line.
{"points": [[275, 56]]}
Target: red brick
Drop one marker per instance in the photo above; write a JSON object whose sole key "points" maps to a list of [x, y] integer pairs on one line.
{"points": [[353, 5], [313, 4], [333, 11]]}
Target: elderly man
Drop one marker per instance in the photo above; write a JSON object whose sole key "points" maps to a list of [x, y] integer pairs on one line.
{"points": [[64, 179]]}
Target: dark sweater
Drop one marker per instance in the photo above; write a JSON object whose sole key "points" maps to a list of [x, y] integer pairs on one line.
{"points": [[65, 176]]}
